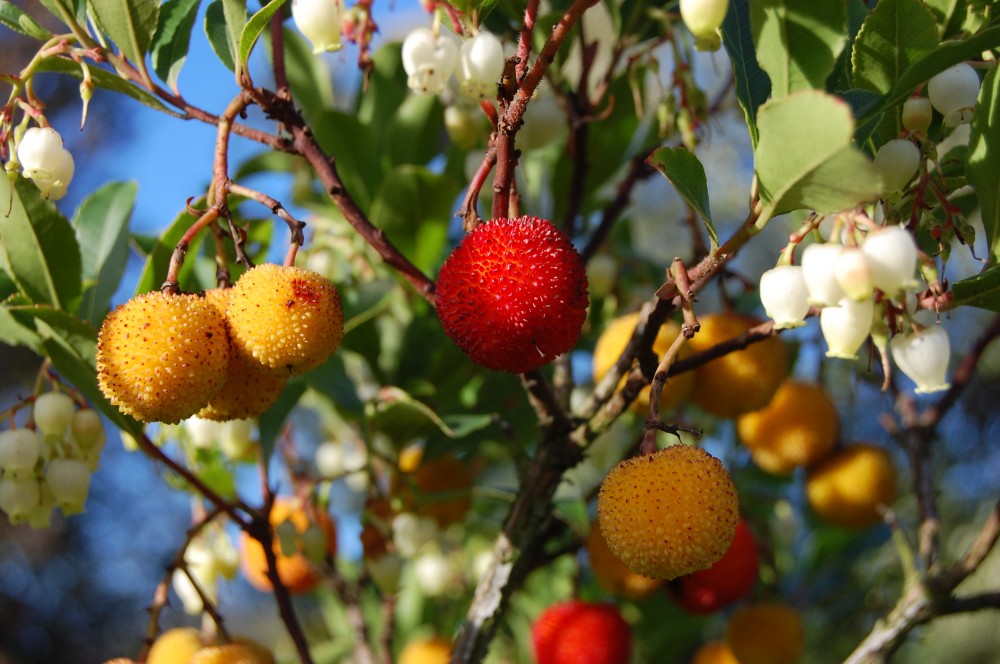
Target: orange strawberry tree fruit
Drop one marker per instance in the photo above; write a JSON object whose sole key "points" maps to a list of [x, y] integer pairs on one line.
{"points": [[500, 331]]}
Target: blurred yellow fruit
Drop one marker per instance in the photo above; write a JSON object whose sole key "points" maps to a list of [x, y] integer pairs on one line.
{"points": [[611, 573], [613, 341], [715, 652], [797, 428], [741, 381], [849, 488], [242, 651], [668, 513], [426, 651], [440, 488], [766, 634], [175, 646]]}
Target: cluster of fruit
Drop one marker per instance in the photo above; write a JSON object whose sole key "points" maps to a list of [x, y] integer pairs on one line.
{"points": [[50, 465], [227, 355]]}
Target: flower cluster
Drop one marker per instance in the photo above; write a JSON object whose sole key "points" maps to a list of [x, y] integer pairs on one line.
{"points": [[430, 58]]}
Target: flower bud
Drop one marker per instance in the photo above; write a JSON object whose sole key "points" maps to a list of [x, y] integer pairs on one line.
{"points": [[923, 356], [703, 18], [818, 262], [19, 498], [53, 413], [480, 64], [19, 452], [897, 162], [69, 481], [88, 430], [784, 296], [319, 21], [917, 114], [429, 60], [45, 161], [953, 93], [853, 274], [892, 256], [845, 327]]}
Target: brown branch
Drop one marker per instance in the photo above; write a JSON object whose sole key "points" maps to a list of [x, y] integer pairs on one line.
{"points": [[974, 556]]}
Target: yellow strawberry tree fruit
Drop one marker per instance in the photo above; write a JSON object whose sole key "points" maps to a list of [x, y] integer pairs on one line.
{"points": [[668, 513], [240, 651], [851, 487], [797, 428], [611, 573], [714, 652], [766, 634], [741, 381], [434, 650], [613, 341], [175, 646]]}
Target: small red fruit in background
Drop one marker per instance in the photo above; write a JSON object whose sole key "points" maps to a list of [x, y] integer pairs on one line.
{"points": [[513, 294], [577, 632], [731, 578]]}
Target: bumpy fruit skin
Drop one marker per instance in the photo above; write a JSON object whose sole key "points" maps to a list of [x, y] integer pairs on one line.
{"points": [[613, 341], [714, 652], [175, 646], [161, 358], [796, 429], [250, 388], [669, 513], [295, 570], [513, 294], [849, 488], [766, 634], [577, 632], [731, 578], [241, 651], [612, 574], [738, 382], [426, 651], [287, 318]]}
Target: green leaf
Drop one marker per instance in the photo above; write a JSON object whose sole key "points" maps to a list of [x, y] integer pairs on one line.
{"points": [[981, 291], [982, 166], [942, 10], [414, 207], [78, 335], [686, 173], [106, 80], [173, 38], [387, 89], [403, 418], [894, 36], [224, 21], [154, 271], [752, 85], [101, 224], [14, 332], [130, 24], [20, 21], [354, 147], [39, 247], [414, 133], [798, 41], [806, 158], [254, 27]]}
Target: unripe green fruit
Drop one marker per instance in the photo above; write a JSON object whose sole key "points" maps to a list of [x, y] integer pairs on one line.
{"points": [[53, 413]]}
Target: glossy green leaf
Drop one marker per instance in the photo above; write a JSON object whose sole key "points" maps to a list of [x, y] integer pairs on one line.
{"points": [[101, 224], [78, 334], [129, 23], [894, 36], [354, 147], [403, 418], [686, 173], [154, 271], [39, 247], [173, 38], [413, 136], [982, 166], [15, 332], [981, 291], [752, 85], [224, 21], [20, 21], [943, 11], [806, 158], [254, 27], [106, 80], [798, 41]]}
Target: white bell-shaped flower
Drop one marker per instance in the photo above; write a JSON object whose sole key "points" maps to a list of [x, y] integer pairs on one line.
{"points": [[19, 498], [953, 93], [19, 452], [320, 22], [45, 161], [429, 60], [53, 413], [897, 162], [88, 429], [703, 18], [236, 439], [923, 356], [480, 64], [892, 256], [917, 114], [845, 327], [818, 261], [69, 481], [784, 296], [854, 274], [189, 596], [203, 433]]}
